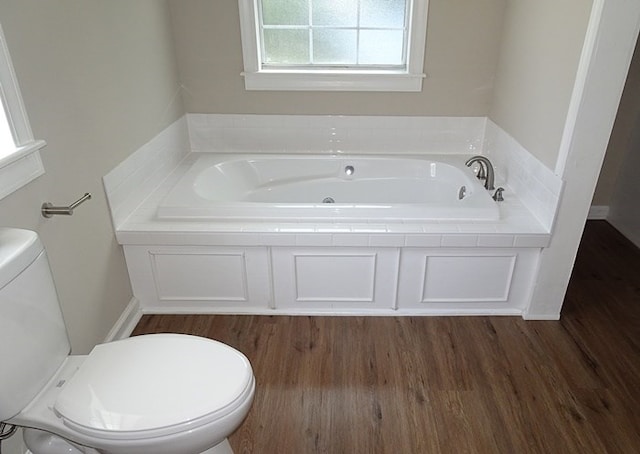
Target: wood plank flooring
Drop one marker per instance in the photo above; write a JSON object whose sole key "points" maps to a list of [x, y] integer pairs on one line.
{"points": [[448, 385]]}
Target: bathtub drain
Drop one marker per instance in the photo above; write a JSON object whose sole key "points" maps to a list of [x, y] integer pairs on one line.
{"points": [[328, 200]]}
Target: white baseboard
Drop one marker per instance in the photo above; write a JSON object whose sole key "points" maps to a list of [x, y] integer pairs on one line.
{"points": [[598, 212], [530, 316], [125, 325]]}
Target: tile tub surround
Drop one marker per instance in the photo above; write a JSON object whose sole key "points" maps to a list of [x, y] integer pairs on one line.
{"points": [[335, 134], [537, 187], [129, 183]]}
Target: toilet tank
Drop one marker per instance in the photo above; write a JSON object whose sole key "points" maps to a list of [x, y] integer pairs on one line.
{"points": [[33, 336]]}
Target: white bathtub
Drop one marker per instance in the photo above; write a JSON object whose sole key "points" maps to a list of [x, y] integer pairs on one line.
{"points": [[325, 188]]}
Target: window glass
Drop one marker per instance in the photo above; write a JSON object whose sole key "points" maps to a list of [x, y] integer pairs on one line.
{"points": [[383, 13], [20, 160], [285, 12], [7, 144], [341, 33], [287, 46], [335, 13], [333, 45], [383, 47]]}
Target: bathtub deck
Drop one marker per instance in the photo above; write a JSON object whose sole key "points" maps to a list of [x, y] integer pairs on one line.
{"points": [[423, 385]]}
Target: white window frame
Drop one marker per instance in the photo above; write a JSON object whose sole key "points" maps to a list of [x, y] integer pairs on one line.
{"points": [[24, 163], [258, 78]]}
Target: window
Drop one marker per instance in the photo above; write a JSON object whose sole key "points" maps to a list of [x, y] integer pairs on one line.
{"points": [[362, 45], [20, 160]]}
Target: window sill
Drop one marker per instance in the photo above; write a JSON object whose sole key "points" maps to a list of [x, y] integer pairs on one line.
{"points": [[332, 81], [20, 167]]}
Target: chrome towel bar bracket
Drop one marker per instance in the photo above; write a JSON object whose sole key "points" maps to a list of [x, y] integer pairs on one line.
{"points": [[48, 210]]}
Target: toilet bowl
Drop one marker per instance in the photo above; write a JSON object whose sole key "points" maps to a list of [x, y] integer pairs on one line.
{"points": [[159, 393]]}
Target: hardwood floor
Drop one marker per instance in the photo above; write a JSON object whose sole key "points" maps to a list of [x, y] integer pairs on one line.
{"points": [[448, 385]]}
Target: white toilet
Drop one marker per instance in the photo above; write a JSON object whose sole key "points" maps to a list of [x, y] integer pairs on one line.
{"points": [[152, 394]]}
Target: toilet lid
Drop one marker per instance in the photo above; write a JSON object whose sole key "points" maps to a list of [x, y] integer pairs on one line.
{"points": [[152, 382]]}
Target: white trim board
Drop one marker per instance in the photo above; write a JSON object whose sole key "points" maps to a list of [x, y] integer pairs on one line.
{"points": [[126, 323]]}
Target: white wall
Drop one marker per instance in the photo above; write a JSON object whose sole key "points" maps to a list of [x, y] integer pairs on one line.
{"points": [[99, 80]]}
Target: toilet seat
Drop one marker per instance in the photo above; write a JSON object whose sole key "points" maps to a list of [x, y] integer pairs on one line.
{"points": [[114, 393]]}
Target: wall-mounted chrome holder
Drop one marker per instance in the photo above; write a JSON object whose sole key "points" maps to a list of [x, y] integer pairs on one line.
{"points": [[48, 210]]}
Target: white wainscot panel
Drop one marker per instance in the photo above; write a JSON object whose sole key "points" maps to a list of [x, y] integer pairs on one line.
{"points": [[467, 278], [316, 278], [492, 279], [188, 277], [200, 276]]}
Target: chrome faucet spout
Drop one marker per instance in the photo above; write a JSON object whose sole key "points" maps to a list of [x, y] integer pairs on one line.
{"points": [[482, 171], [487, 167]]}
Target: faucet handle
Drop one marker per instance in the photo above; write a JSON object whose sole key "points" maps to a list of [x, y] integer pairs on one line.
{"points": [[497, 196]]}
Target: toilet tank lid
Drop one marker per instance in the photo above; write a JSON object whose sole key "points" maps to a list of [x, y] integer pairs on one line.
{"points": [[18, 249]]}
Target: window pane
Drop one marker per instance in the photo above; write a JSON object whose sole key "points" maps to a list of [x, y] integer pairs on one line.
{"points": [[343, 32], [285, 12], [286, 46], [335, 12], [382, 47], [383, 13], [334, 46], [7, 145]]}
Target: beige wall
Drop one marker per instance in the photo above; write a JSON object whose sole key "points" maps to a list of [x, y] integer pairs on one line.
{"points": [[540, 50], [98, 79], [623, 129], [618, 183], [625, 210], [461, 56]]}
